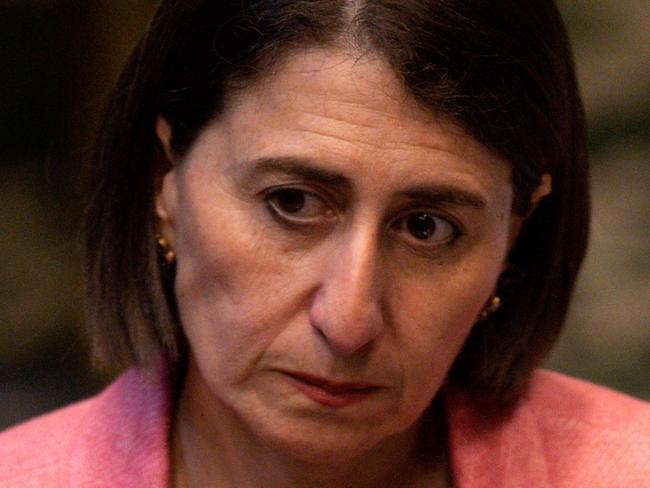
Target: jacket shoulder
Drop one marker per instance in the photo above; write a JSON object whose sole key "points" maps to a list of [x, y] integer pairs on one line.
{"points": [[562, 433], [34, 453], [570, 401], [117, 438], [583, 425]]}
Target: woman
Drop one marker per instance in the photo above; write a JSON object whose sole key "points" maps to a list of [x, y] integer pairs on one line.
{"points": [[335, 239]]}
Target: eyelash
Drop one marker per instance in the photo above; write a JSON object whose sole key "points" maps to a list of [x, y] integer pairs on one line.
{"points": [[272, 195], [453, 228], [399, 224]]}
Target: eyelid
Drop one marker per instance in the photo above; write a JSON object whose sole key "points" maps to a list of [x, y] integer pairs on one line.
{"points": [[457, 228], [269, 193], [295, 186]]}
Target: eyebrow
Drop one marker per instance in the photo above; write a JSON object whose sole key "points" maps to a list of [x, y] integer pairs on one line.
{"points": [[447, 194], [298, 167], [307, 169]]}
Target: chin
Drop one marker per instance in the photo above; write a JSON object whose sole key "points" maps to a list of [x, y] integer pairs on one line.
{"points": [[332, 448], [327, 442]]}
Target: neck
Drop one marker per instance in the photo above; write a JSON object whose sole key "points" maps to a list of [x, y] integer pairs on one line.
{"points": [[211, 448]]}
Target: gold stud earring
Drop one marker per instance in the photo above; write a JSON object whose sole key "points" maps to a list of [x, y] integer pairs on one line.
{"points": [[490, 308], [165, 250]]}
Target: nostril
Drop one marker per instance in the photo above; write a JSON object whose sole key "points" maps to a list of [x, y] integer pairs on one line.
{"points": [[346, 327]]}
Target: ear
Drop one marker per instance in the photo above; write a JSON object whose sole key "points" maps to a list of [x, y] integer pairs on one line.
{"points": [[517, 221], [167, 207], [542, 191], [166, 201], [164, 133]]}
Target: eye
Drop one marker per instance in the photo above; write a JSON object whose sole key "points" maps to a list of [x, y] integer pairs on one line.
{"points": [[296, 205], [427, 229]]}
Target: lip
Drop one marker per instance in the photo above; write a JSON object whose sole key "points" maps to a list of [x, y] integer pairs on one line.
{"points": [[331, 393]]}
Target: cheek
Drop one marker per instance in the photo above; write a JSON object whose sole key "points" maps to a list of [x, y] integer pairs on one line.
{"points": [[218, 272], [444, 300], [234, 289], [436, 316]]}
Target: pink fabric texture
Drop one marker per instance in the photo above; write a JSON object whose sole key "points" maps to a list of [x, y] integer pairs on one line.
{"points": [[565, 433], [116, 439]]}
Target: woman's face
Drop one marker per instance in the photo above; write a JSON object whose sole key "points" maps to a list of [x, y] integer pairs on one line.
{"points": [[334, 246]]}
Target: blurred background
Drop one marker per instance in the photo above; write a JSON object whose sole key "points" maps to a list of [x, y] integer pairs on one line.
{"points": [[58, 60]]}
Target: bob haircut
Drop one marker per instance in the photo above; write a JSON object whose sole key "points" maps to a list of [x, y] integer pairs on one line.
{"points": [[502, 70]]}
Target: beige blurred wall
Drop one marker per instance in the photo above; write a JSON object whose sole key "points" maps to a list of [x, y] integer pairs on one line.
{"points": [[607, 337]]}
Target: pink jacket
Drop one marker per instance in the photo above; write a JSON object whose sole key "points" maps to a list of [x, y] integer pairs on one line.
{"points": [[564, 433]]}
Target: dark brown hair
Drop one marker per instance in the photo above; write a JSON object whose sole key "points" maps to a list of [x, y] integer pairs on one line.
{"points": [[501, 69]]}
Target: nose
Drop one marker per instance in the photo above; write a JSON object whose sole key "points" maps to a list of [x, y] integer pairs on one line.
{"points": [[347, 309]]}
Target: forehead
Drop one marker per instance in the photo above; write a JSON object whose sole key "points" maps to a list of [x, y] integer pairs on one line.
{"points": [[342, 87], [350, 113]]}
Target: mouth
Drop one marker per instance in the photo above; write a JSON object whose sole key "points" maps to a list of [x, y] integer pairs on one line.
{"points": [[331, 393]]}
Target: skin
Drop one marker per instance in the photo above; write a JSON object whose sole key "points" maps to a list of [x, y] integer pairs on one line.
{"points": [[283, 271]]}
